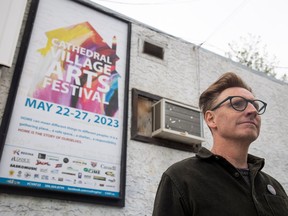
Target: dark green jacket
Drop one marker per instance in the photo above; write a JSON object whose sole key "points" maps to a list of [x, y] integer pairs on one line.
{"points": [[208, 185]]}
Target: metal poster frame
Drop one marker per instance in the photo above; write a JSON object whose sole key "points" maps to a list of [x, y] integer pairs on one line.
{"points": [[64, 129]]}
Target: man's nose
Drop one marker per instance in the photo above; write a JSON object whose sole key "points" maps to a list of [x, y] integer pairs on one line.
{"points": [[251, 108]]}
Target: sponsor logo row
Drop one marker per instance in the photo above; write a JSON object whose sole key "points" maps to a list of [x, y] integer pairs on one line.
{"points": [[44, 167]]}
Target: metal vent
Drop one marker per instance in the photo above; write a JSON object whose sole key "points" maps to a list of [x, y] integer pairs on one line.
{"points": [[153, 50]]}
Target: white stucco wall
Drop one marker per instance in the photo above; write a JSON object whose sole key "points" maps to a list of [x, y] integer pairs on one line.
{"points": [[182, 76]]}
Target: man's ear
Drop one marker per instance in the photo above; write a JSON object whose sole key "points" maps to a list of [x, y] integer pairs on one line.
{"points": [[210, 119]]}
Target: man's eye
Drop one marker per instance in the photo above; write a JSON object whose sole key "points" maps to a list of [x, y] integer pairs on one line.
{"points": [[239, 103], [256, 105]]}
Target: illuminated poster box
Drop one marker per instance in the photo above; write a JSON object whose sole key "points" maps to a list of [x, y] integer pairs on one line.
{"points": [[63, 132]]}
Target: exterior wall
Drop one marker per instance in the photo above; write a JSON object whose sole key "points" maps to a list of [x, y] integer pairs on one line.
{"points": [[183, 74]]}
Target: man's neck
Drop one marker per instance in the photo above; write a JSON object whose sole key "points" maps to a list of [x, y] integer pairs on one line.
{"points": [[235, 153]]}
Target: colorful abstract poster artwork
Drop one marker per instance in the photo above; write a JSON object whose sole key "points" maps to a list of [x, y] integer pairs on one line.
{"points": [[66, 127], [80, 70]]}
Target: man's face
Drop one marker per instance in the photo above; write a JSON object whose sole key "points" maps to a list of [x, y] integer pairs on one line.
{"points": [[229, 123]]}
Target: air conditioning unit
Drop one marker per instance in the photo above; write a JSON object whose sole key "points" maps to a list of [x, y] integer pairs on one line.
{"points": [[176, 121]]}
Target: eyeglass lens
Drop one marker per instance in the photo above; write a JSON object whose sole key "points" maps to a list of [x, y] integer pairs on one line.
{"points": [[240, 104]]}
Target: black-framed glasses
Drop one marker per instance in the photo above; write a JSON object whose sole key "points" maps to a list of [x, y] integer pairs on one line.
{"points": [[240, 103]]}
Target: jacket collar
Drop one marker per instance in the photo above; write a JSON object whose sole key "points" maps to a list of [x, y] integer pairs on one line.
{"points": [[254, 161], [204, 153]]}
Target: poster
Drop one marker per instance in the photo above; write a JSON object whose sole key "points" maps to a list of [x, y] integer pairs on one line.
{"points": [[66, 132]]}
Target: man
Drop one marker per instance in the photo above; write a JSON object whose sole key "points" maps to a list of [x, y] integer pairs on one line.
{"points": [[226, 181]]}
